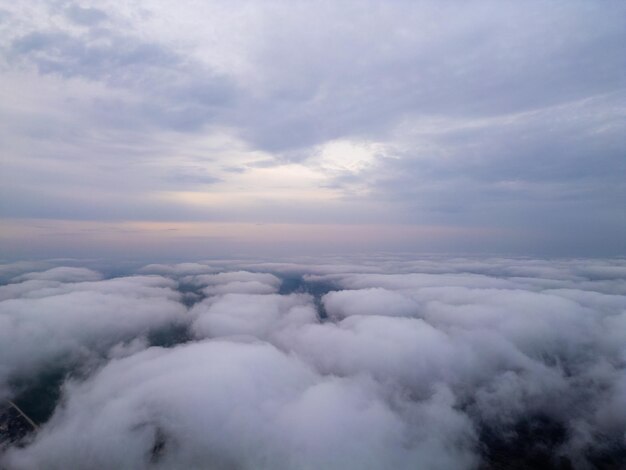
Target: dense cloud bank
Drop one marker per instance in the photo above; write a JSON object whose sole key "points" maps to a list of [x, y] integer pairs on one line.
{"points": [[374, 363]]}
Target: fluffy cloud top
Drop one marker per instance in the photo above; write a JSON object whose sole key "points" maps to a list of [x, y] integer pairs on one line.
{"points": [[373, 301], [257, 315], [61, 274], [234, 405], [44, 324], [434, 363], [242, 282]]}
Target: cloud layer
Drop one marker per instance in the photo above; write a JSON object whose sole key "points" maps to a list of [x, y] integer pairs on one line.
{"points": [[500, 117], [386, 362]]}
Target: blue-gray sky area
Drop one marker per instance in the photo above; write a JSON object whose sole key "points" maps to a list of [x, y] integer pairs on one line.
{"points": [[202, 127]]}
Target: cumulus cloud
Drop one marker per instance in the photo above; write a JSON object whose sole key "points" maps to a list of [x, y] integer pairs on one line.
{"points": [[257, 315], [179, 269], [373, 301], [242, 282], [266, 409], [61, 274], [10, 270], [44, 322], [433, 363]]}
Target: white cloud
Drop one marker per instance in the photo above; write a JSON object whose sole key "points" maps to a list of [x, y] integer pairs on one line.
{"points": [[435, 363], [248, 314], [66, 322], [372, 301], [242, 405], [237, 282], [179, 269], [61, 274]]}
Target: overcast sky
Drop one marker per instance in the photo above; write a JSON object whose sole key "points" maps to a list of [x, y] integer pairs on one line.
{"points": [[488, 126]]}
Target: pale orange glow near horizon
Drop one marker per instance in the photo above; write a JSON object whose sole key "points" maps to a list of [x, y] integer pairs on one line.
{"points": [[207, 238]]}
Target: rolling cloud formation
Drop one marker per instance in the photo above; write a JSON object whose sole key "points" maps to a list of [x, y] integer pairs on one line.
{"points": [[385, 362]]}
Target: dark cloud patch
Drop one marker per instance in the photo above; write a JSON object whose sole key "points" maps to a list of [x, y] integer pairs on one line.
{"points": [[5, 15], [85, 16], [172, 91], [98, 55], [493, 60], [190, 177]]}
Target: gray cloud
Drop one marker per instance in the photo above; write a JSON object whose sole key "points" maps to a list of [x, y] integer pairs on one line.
{"points": [[496, 115], [61, 274], [173, 91], [85, 16]]}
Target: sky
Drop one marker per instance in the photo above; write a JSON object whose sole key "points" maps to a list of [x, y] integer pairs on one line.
{"points": [[158, 129]]}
